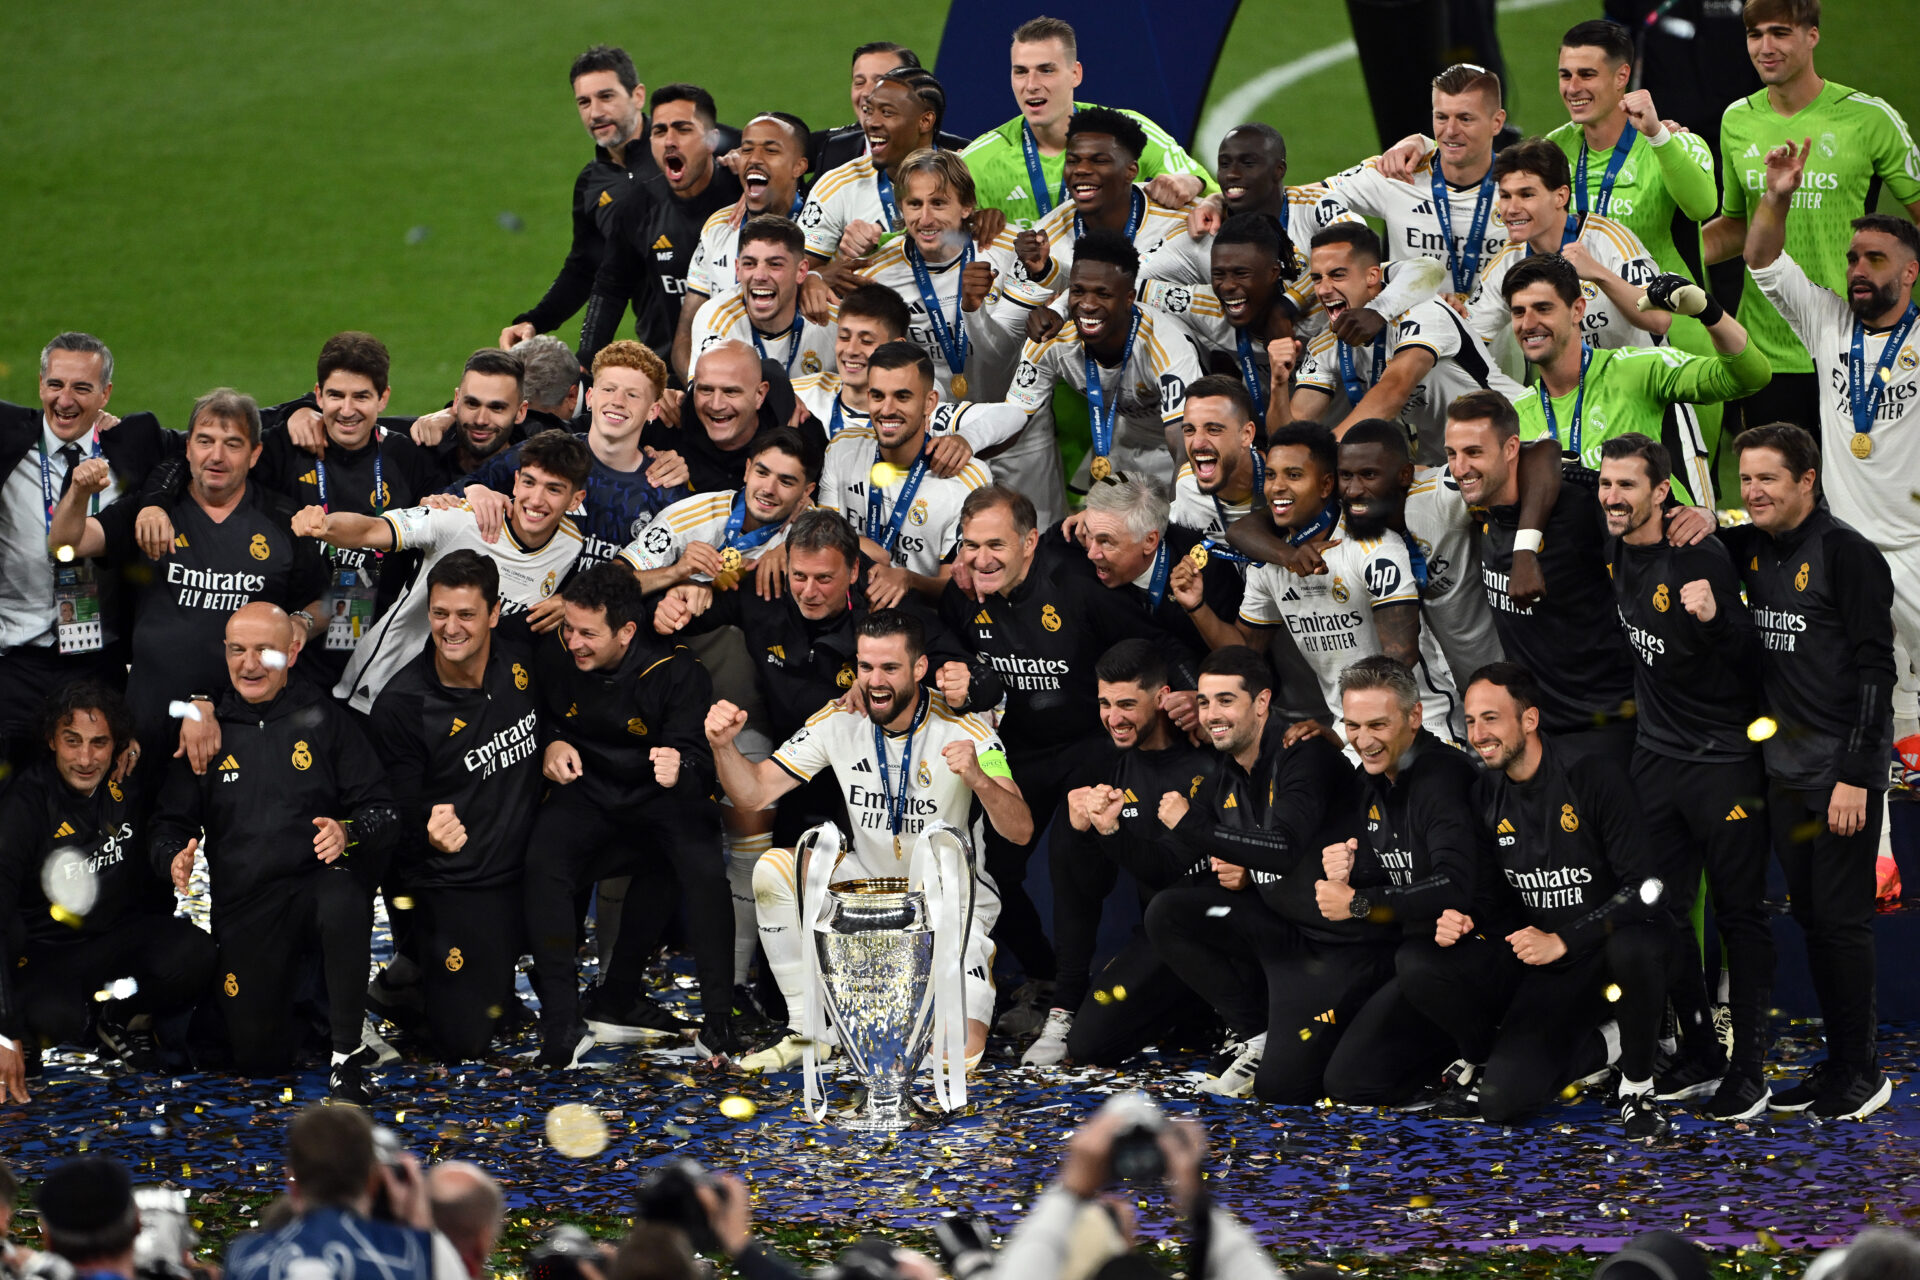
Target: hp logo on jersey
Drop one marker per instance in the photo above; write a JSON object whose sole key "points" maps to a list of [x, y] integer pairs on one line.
{"points": [[1383, 577]]}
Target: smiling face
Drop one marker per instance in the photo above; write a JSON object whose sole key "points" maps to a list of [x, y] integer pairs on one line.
{"points": [[350, 406], [1373, 488], [1297, 486], [888, 674], [934, 215], [1777, 500], [1543, 323], [681, 147], [73, 392], [592, 642], [1342, 277], [1252, 176], [610, 111], [1117, 556], [1216, 444], [83, 749], [1481, 462], [771, 163], [895, 123], [900, 401], [1626, 497], [769, 274], [776, 487], [1045, 75], [1496, 726], [259, 651], [1531, 208], [1880, 275], [1245, 278], [1590, 85], [1781, 51], [1232, 719], [1100, 304], [486, 408], [853, 341], [1464, 124], [1128, 711], [995, 552], [620, 401], [461, 622], [819, 581], [867, 70], [219, 455], [1377, 729], [726, 393], [1098, 173], [540, 498]]}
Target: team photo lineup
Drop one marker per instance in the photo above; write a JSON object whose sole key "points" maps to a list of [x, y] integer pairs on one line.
{"points": [[1452, 618]]}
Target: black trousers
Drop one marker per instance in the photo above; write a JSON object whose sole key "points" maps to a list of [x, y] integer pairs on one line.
{"points": [[1697, 816], [28, 677], [1789, 397], [265, 938], [674, 855], [1136, 1001], [1830, 887], [1261, 973], [465, 942], [169, 957], [1388, 1053], [1042, 776], [1082, 877], [1535, 1027]]}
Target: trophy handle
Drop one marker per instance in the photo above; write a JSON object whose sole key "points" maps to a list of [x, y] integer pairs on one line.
{"points": [[943, 869], [815, 858]]}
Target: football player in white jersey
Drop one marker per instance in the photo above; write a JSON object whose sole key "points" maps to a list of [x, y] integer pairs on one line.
{"points": [[537, 547], [853, 206], [1248, 305], [867, 318], [690, 540], [772, 159], [1410, 371], [1225, 473], [1536, 188], [904, 760], [764, 308], [1252, 165], [881, 477]]}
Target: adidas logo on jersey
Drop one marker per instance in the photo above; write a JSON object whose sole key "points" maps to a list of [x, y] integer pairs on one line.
{"points": [[863, 766], [606, 198], [1291, 594], [1738, 812], [1505, 828], [458, 725], [1324, 1017], [663, 243], [1233, 802], [179, 539], [1753, 151], [1131, 798], [312, 477], [1018, 193], [982, 620], [65, 829]]}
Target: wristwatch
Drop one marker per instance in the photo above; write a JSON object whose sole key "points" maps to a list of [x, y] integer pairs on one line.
{"points": [[1359, 907]]}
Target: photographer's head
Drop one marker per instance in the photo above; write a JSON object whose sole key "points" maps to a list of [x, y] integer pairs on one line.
{"points": [[467, 1210], [655, 1251], [330, 1159], [87, 1215]]}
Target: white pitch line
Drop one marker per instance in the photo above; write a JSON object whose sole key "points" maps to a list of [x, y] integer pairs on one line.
{"points": [[1238, 106]]}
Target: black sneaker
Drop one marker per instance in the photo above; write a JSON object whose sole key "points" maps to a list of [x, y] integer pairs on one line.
{"points": [[749, 1018], [559, 1052], [1458, 1095], [135, 1049], [348, 1081], [1742, 1095], [1031, 1002], [720, 1038], [1689, 1078], [1643, 1117], [630, 1020], [1800, 1096], [403, 1007], [1852, 1094]]}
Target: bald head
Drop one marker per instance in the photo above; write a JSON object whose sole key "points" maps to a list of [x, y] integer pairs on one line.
{"points": [[467, 1209], [259, 650], [728, 388]]}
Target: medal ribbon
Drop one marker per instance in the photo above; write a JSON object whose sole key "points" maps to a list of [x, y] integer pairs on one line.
{"points": [[1864, 393], [793, 339], [887, 533], [1100, 414], [1572, 444], [736, 523], [1356, 386], [1618, 158], [1465, 265], [896, 802], [953, 348], [1043, 197]]}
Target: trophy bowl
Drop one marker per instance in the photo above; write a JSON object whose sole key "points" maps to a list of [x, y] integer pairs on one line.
{"points": [[875, 947]]}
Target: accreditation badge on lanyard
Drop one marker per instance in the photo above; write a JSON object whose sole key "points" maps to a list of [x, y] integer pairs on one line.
{"points": [[353, 583], [76, 592]]}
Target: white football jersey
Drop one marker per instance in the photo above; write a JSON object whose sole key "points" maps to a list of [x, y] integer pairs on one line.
{"points": [[1204, 513], [849, 193], [1185, 258], [1407, 209], [1156, 224], [1873, 494], [820, 392], [701, 518], [931, 529], [890, 266], [528, 575], [1614, 247], [724, 316], [711, 270]]}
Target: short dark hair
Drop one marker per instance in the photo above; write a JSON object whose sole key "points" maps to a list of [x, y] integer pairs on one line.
{"points": [[883, 623], [1238, 660], [1491, 405], [787, 440], [901, 354], [235, 408], [1543, 268], [819, 529], [1599, 33], [654, 1251], [1652, 454], [87, 695], [466, 568], [494, 362], [908, 58], [681, 92], [1468, 77], [988, 496], [1537, 156], [923, 88], [1517, 680], [1034, 30], [1799, 13], [1133, 661], [1118, 125], [1219, 386], [1357, 235], [774, 229], [877, 302], [1792, 442], [1315, 438], [559, 453], [608, 586], [1259, 230], [1102, 244], [88, 1210], [1387, 434], [1899, 228], [1275, 140], [1378, 671], [355, 352], [801, 133], [330, 1153], [605, 57]]}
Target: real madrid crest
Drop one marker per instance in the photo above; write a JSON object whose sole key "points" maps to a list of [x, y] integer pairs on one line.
{"points": [[844, 677], [519, 677], [1340, 592], [1800, 578], [637, 727], [923, 775], [1661, 601], [258, 548], [1050, 618], [302, 757], [1569, 820]]}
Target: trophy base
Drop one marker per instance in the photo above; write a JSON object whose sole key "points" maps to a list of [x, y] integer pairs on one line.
{"points": [[877, 1115]]}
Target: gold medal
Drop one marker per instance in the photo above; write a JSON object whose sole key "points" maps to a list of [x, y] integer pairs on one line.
{"points": [[1198, 555], [899, 849], [731, 560], [959, 385], [1101, 468], [885, 475], [1861, 446]]}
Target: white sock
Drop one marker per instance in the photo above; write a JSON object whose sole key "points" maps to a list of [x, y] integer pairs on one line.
{"points": [[743, 852], [1610, 1032], [777, 909], [1630, 1087], [339, 1057]]}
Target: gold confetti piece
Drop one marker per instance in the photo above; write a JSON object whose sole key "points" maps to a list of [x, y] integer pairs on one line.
{"points": [[885, 474], [1103, 997], [576, 1130], [286, 1095], [1420, 1202], [1612, 993], [736, 1107], [1119, 992], [402, 903], [1762, 729], [71, 919]]}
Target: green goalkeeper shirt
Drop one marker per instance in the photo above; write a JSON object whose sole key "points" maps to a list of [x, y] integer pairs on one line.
{"points": [[998, 161]]}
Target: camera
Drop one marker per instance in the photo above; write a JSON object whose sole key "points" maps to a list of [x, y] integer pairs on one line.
{"points": [[1135, 1155], [166, 1235], [964, 1246], [558, 1257], [671, 1197], [386, 1153], [868, 1259]]}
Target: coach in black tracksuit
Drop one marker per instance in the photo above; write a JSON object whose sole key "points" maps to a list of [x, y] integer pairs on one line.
{"points": [[1822, 597], [458, 731], [622, 718], [1697, 777], [296, 821], [650, 245]]}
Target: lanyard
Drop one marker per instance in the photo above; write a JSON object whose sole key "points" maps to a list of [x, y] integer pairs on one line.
{"points": [[1618, 158], [1162, 566], [1250, 374], [1357, 387], [896, 802], [952, 347], [886, 533], [1259, 487], [379, 477], [1417, 557], [884, 182], [1217, 548], [737, 520], [51, 498], [837, 421], [793, 339], [1572, 445], [1466, 264], [1136, 210], [1043, 197], [1328, 517], [1101, 414], [1865, 393], [1567, 233]]}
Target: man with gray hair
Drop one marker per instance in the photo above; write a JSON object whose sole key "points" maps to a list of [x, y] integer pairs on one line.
{"points": [[552, 381], [41, 652], [1133, 547], [467, 1209]]}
